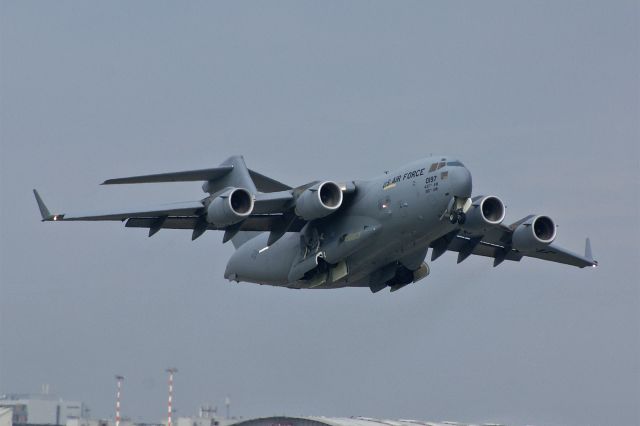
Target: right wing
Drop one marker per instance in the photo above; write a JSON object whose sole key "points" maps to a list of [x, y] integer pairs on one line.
{"points": [[269, 215], [273, 203]]}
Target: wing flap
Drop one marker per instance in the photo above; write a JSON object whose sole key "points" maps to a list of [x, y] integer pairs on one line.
{"points": [[482, 248], [498, 235]]}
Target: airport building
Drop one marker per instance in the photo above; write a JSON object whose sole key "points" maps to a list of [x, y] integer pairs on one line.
{"points": [[41, 409], [5, 416]]}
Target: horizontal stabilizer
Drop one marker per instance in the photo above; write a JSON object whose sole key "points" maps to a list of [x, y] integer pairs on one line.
{"points": [[266, 184], [186, 176]]}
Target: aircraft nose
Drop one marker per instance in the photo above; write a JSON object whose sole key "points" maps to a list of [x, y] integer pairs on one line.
{"points": [[461, 184]]}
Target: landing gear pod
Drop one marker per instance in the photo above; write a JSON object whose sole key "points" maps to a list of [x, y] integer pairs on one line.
{"points": [[535, 233], [319, 201], [232, 206]]}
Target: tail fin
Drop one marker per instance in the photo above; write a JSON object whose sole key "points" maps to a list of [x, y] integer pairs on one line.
{"points": [[232, 172], [239, 177]]}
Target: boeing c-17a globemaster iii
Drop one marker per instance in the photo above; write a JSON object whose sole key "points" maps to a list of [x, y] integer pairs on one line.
{"points": [[363, 233]]}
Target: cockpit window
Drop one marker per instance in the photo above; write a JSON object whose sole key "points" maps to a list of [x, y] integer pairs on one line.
{"points": [[455, 164]]}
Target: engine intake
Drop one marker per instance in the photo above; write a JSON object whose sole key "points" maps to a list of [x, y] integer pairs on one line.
{"points": [[486, 210], [534, 233], [230, 207], [319, 201]]}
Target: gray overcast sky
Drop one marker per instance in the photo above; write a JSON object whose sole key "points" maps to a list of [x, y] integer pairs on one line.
{"points": [[541, 100]]}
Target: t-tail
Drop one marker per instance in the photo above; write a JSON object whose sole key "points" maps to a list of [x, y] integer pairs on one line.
{"points": [[231, 181]]}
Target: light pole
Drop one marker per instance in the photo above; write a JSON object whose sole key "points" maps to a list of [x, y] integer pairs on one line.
{"points": [[171, 372], [119, 380]]}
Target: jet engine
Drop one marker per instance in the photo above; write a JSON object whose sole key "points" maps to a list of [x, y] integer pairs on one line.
{"points": [[319, 201], [230, 207], [485, 210], [534, 233]]}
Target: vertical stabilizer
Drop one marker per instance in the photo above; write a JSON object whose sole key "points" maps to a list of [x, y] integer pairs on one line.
{"points": [[239, 177]]}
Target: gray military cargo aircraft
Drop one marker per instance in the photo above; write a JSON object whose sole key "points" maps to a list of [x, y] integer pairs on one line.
{"points": [[365, 233]]}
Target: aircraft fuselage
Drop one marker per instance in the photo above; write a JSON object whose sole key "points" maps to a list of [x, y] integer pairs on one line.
{"points": [[388, 224]]}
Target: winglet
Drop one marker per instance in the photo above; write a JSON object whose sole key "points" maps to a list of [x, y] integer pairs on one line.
{"points": [[588, 254], [44, 211]]}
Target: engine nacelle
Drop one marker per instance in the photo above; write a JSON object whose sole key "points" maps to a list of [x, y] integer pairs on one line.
{"points": [[230, 207], [485, 211], [319, 201], [534, 233]]}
